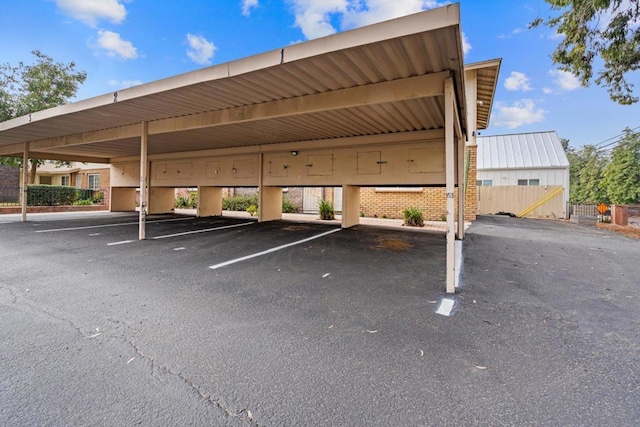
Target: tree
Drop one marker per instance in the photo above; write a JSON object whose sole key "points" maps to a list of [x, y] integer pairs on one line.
{"points": [[25, 89], [587, 169], [622, 174], [605, 29]]}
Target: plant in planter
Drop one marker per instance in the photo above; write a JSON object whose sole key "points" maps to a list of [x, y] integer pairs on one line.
{"points": [[326, 211], [413, 217], [253, 209]]}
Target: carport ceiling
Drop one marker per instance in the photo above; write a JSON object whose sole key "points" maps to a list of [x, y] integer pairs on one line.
{"points": [[381, 79]]}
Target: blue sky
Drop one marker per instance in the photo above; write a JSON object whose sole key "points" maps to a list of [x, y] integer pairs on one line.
{"points": [[120, 43]]}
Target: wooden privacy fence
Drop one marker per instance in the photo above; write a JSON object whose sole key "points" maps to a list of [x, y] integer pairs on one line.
{"points": [[519, 198]]}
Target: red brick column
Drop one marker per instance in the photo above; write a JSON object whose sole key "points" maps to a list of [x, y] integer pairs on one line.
{"points": [[620, 215]]}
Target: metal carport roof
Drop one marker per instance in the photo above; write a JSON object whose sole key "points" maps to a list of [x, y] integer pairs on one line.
{"points": [[381, 79]]}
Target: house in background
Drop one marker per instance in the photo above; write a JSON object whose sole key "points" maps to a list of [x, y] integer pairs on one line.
{"points": [[92, 176], [526, 174]]}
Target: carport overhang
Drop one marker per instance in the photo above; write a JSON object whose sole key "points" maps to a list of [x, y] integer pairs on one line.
{"points": [[397, 81]]}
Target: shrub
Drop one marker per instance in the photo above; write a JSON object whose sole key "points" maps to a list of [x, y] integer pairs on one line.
{"points": [[288, 206], [239, 203], [187, 201], [413, 217], [98, 197], [48, 195], [83, 202], [252, 210], [326, 211]]}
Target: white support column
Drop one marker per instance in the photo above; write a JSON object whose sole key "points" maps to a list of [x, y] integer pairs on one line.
{"points": [[350, 206], [450, 181], [25, 182], [461, 188], [144, 166]]}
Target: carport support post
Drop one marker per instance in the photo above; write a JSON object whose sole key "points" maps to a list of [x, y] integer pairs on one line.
{"points": [[461, 189], [144, 137], [25, 182], [350, 206], [209, 201], [449, 142]]}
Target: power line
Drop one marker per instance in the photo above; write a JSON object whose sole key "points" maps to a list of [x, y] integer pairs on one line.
{"points": [[617, 137]]}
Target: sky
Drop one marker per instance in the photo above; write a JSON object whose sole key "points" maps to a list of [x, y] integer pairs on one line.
{"points": [[122, 43]]}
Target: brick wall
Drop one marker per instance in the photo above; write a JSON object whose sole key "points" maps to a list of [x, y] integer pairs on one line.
{"points": [[9, 184]]}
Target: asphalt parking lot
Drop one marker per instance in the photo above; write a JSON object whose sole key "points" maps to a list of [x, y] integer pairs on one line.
{"points": [[225, 321]]}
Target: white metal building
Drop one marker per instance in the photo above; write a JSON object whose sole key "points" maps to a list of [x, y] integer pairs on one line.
{"points": [[534, 159]]}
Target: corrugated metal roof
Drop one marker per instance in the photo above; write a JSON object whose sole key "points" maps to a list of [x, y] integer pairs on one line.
{"points": [[521, 151]]}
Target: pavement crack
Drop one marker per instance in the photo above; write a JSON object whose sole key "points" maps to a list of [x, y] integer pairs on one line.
{"points": [[244, 415]]}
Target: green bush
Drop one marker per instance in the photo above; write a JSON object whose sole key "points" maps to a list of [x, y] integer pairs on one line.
{"points": [[325, 209], [252, 210], [83, 202], [49, 195], [239, 203], [413, 217], [288, 206], [187, 201], [98, 197]]}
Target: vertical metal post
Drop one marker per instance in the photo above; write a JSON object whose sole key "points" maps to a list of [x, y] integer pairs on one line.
{"points": [[25, 182], [449, 141], [144, 136], [461, 189]]}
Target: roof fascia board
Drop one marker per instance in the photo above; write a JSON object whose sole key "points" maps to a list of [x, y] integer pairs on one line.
{"points": [[112, 134], [428, 85]]}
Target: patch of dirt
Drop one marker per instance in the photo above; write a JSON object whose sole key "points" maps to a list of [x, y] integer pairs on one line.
{"points": [[629, 230], [391, 244], [295, 227]]}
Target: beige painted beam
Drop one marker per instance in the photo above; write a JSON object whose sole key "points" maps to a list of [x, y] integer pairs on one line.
{"points": [[350, 206], [449, 113], [25, 181], [209, 201], [13, 150], [270, 208], [122, 199], [461, 188], [392, 91], [104, 135], [69, 158], [144, 173]]}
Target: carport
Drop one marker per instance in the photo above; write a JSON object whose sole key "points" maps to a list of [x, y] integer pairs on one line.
{"points": [[391, 104]]}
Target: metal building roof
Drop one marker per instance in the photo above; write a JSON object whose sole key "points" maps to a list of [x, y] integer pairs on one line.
{"points": [[521, 151]]}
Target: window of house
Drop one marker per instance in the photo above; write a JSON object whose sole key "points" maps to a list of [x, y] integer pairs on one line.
{"points": [[45, 180], [94, 181], [65, 180], [528, 182], [484, 182]]}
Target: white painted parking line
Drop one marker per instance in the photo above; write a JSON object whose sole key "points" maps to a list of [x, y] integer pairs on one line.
{"points": [[446, 306], [108, 225], [120, 243], [268, 251], [204, 230]]}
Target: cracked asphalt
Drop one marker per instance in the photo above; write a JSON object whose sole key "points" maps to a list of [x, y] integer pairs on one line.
{"points": [[341, 330]]}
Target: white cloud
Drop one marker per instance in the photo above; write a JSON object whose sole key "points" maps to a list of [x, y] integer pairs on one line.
{"points": [[466, 46], [565, 79], [517, 81], [200, 50], [115, 46], [314, 17], [547, 90], [124, 83], [518, 113], [91, 11], [247, 5]]}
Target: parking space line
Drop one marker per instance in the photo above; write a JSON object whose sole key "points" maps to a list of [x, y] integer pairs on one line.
{"points": [[268, 251], [205, 230], [108, 225], [120, 243]]}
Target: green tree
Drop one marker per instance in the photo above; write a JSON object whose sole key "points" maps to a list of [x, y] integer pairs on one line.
{"points": [[622, 174], [604, 29], [588, 166], [25, 89], [576, 163]]}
